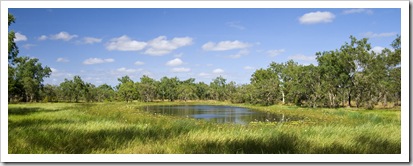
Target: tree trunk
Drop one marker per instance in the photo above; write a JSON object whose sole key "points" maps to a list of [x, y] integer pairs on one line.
{"points": [[349, 98], [283, 97]]}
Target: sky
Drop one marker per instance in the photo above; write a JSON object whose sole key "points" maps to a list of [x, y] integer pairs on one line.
{"points": [[102, 45]]}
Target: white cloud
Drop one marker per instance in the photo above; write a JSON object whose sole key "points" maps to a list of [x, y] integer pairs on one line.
{"points": [[274, 53], [301, 57], [62, 36], [125, 70], [19, 37], [174, 62], [91, 40], [162, 46], [377, 35], [239, 54], [180, 70], [204, 74], [92, 61], [354, 11], [218, 71], [62, 60], [236, 24], [317, 17], [43, 37], [53, 70], [139, 63], [377, 49], [124, 43], [248, 68], [28, 46], [224, 45]]}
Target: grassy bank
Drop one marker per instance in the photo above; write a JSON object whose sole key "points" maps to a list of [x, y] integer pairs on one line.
{"points": [[123, 128]]}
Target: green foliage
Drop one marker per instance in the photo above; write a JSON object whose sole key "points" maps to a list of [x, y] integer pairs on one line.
{"points": [[147, 88], [218, 89], [352, 74], [13, 50]]}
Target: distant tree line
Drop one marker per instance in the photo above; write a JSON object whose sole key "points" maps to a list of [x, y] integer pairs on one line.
{"points": [[352, 75]]}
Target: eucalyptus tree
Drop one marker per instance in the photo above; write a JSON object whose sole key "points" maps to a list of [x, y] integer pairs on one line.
{"points": [[13, 50], [187, 90], [167, 88], [266, 86], [105, 93], [126, 89], [147, 88], [203, 91], [66, 90], [50, 93], [30, 73], [218, 88]]}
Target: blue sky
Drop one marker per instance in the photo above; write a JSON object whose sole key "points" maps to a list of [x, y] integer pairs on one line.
{"points": [[102, 45]]}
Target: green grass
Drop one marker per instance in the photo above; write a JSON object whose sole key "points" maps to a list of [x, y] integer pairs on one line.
{"points": [[121, 128]]}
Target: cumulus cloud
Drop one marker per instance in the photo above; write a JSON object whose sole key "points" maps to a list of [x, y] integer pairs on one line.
{"points": [[274, 53], [236, 25], [19, 37], [161, 45], [224, 45], [139, 63], [180, 70], [91, 40], [92, 61], [43, 37], [317, 17], [28, 46], [158, 46], [53, 69], [203, 74], [62, 36], [239, 54], [378, 35], [301, 57], [174, 62], [124, 43], [248, 68], [355, 11], [218, 71], [62, 60], [125, 70], [377, 49]]}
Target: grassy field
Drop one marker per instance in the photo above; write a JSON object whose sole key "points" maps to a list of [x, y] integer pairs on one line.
{"points": [[49, 128]]}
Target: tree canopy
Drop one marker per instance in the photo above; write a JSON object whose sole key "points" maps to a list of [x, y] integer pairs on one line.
{"points": [[352, 75]]}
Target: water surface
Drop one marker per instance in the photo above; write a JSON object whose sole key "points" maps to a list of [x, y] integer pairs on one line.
{"points": [[218, 114]]}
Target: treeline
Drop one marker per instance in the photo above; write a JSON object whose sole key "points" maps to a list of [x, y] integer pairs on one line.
{"points": [[352, 75]]}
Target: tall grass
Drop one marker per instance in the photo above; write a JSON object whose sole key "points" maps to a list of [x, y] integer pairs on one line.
{"points": [[79, 128]]}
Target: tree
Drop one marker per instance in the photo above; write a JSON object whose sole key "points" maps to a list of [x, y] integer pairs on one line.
{"points": [[218, 89], [202, 91], [50, 93], [13, 50], [167, 88], [67, 90], [147, 88], [90, 92], [79, 88], [127, 91], [105, 93], [31, 73], [266, 86], [187, 90]]}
